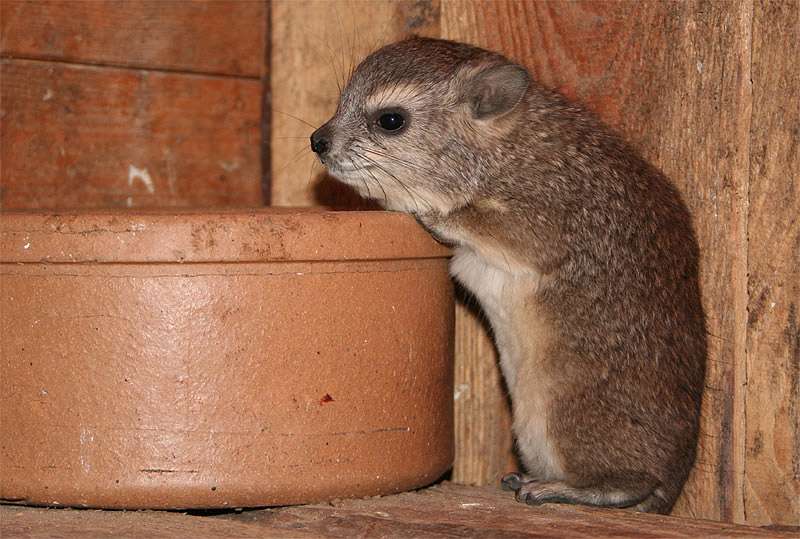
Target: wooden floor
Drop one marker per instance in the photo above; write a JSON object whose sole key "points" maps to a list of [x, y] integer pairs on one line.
{"points": [[446, 510]]}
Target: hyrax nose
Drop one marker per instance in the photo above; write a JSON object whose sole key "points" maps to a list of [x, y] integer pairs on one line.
{"points": [[320, 143]]}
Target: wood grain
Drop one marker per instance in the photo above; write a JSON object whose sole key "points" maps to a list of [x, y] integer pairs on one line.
{"points": [[484, 444], [223, 37], [772, 468], [690, 114], [444, 511], [80, 136], [315, 44]]}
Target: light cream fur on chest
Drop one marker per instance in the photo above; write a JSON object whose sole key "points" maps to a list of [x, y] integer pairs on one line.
{"points": [[506, 292]]}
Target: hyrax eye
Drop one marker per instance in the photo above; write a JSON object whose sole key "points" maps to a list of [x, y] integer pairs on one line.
{"points": [[391, 121]]}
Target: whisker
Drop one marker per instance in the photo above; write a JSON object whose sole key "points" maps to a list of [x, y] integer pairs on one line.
{"points": [[361, 177], [415, 166], [397, 160], [396, 179], [314, 163], [332, 58], [312, 126], [378, 183], [316, 51], [361, 171], [333, 68], [375, 164], [353, 35], [294, 158], [341, 43]]}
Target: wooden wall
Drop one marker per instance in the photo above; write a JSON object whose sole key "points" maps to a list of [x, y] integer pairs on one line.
{"points": [[142, 103], [709, 91]]}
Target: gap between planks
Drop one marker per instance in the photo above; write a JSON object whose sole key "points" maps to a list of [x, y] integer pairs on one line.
{"points": [[126, 67]]}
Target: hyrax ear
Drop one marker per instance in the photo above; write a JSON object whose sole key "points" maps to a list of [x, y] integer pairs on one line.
{"points": [[496, 90]]}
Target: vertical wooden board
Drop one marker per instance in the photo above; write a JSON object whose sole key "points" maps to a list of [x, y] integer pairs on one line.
{"points": [[673, 78], [78, 136], [691, 116], [572, 47], [226, 36], [483, 417], [315, 43], [772, 467]]}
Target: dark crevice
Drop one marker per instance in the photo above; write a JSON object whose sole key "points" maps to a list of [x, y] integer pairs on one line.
{"points": [[266, 111]]}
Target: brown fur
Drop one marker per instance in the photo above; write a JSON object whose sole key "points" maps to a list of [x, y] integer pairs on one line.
{"points": [[581, 254]]}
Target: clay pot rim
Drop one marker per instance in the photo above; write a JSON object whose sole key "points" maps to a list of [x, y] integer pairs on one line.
{"points": [[199, 235]]}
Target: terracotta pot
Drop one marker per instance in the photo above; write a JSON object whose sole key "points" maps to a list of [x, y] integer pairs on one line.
{"points": [[221, 359]]}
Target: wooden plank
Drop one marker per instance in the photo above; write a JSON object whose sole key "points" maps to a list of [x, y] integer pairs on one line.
{"points": [[772, 468], [484, 444], [673, 78], [691, 116], [444, 511], [78, 136], [33, 523], [315, 43], [224, 37]]}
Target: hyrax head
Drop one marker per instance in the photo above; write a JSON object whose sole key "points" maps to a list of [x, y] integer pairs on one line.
{"points": [[418, 122]]}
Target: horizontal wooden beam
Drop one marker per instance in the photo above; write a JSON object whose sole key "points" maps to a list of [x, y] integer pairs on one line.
{"points": [[81, 136], [220, 36], [446, 510]]}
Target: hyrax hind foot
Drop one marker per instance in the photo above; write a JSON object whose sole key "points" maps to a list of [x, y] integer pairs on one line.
{"points": [[638, 495], [513, 481]]}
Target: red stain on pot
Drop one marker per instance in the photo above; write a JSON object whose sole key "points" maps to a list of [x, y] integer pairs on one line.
{"points": [[174, 360]]}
